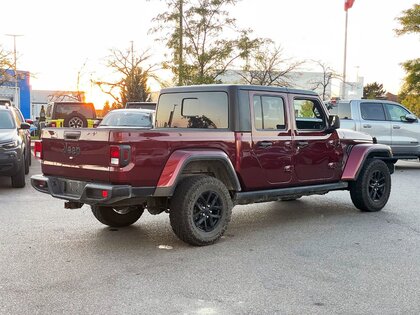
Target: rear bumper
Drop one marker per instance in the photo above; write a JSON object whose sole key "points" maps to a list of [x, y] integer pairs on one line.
{"points": [[90, 193]]}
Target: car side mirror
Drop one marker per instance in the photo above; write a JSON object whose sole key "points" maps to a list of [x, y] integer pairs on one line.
{"points": [[96, 123], [333, 123], [29, 121], [25, 125], [410, 118]]}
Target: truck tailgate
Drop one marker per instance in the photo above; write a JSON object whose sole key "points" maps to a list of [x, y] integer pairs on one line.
{"points": [[81, 154]]}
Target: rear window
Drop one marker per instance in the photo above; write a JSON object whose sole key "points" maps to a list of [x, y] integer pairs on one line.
{"points": [[203, 110], [61, 111], [6, 120], [372, 111], [127, 119], [343, 110]]}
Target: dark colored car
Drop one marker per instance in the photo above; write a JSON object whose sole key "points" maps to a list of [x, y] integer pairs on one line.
{"points": [[15, 150], [130, 118], [70, 114], [214, 146]]}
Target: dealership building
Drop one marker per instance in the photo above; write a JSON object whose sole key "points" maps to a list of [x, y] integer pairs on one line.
{"points": [[8, 90]]}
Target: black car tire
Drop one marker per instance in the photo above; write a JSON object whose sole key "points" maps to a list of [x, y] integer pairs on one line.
{"points": [[18, 180], [200, 210], [117, 216], [75, 120], [27, 162], [370, 192]]}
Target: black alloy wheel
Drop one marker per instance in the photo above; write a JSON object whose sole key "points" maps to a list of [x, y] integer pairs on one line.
{"points": [[207, 211], [377, 185]]}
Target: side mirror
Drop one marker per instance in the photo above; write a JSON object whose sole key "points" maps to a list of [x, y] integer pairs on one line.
{"points": [[333, 123], [25, 125], [410, 118], [29, 121], [96, 123]]}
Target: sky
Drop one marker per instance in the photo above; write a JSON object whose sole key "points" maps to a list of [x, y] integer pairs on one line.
{"points": [[66, 37]]}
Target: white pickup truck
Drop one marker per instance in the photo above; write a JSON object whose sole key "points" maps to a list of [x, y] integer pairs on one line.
{"points": [[389, 122]]}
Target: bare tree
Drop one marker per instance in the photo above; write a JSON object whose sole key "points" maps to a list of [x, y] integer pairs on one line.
{"points": [[134, 73], [6, 64], [267, 66], [328, 74]]}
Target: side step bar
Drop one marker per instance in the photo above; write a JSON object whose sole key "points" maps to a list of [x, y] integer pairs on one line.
{"points": [[246, 197]]}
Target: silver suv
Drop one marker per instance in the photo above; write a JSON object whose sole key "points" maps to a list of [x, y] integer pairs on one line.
{"points": [[389, 122]]}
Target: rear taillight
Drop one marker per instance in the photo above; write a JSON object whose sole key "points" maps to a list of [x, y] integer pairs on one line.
{"points": [[38, 149], [119, 155]]}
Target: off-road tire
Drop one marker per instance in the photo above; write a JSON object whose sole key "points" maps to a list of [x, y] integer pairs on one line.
{"points": [[27, 162], [370, 192], [75, 120], [115, 217], [194, 219], [18, 180]]}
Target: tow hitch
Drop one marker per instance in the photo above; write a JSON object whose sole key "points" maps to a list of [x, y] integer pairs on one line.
{"points": [[72, 205]]}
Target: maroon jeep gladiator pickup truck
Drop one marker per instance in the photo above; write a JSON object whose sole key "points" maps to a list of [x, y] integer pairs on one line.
{"points": [[213, 147]]}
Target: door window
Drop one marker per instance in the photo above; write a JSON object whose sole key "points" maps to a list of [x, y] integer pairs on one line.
{"points": [[396, 113], [269, 113], [372, 111], [308, 115]]}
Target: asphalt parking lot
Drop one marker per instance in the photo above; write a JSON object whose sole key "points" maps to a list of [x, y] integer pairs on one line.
{"points": [[318, 255]]}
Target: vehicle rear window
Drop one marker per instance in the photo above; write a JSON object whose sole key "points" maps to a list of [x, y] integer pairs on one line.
{"points": [[61, 111], [6, 120], [343, 110], [203, 110], [128, 119], [372, 111]]}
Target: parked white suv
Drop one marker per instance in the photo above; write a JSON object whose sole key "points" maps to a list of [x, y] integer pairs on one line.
{"points": [[389, 122]]}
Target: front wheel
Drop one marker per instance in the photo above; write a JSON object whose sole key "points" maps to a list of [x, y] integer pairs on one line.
{"points": [[370, 192], [18, 180], [117, 216], [200, 210]]}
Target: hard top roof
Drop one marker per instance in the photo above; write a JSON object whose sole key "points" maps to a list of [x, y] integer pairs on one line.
{"points": [[232, 87]]}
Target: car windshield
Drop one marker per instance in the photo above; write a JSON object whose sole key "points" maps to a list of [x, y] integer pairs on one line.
{"points": [[6, 120], [128, 119]]}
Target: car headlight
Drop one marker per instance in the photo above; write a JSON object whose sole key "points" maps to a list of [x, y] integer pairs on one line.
{"points": [[10, 145]]}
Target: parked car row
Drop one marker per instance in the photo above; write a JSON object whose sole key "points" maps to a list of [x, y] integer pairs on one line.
{"points": [[15, 144]]}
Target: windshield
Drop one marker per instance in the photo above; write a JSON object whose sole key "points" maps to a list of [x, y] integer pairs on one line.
{"points": [[6, 120], [128, 119]]}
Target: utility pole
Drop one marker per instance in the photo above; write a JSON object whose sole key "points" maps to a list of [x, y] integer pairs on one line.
{"points": [[16, 97], [343, 94], [132, 73], [181, 44]]}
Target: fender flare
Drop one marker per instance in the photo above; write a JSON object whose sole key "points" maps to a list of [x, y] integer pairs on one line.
{"points": [[358, 155], [178, 161]]}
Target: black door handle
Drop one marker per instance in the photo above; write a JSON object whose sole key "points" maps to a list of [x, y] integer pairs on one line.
{"points": [[265, 144], [302, 143]]}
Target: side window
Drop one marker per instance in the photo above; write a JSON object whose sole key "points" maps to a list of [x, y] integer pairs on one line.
{"points": [[200, 110], [269, 113], [308, 114], [343, 110], [396, 113], [372, 111]]}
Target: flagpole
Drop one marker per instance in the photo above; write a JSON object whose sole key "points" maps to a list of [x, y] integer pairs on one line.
{"points": [[343, 94]]}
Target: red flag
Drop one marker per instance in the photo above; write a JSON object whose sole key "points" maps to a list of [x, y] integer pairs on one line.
{"points": [[348, 4]]}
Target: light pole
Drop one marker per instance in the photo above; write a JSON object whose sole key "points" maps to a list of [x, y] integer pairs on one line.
{"points": [[15, 69]]}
